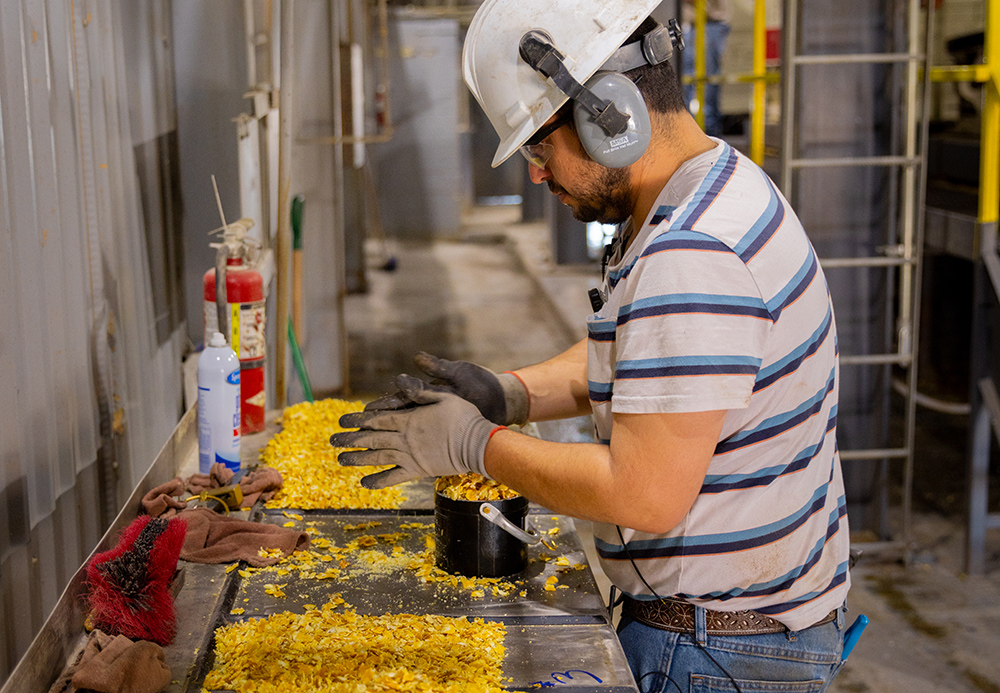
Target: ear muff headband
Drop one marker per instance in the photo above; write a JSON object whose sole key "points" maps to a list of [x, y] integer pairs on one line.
{"points": [[610, 114], [537, 50]]}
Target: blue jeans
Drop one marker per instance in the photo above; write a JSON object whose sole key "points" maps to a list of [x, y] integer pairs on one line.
{"points": [[795, 662], [716, 35]]}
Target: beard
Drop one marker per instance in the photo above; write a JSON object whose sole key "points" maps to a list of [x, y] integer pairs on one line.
{"points": [[606, 198]]}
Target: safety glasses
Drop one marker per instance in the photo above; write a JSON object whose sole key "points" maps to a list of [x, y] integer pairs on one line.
{"points": [[538, 152]]}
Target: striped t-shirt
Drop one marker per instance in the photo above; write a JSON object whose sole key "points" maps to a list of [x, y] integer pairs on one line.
{"points": [[720, 303]]}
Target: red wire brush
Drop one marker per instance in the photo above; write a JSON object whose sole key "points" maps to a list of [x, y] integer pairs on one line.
{"points": [[130, 584]]}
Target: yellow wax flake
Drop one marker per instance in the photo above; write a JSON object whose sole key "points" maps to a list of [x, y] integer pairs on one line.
{"points": [[367, 540], [523, 593], [244, 573], [551, 580], [562, 560], [274, 590], [473, 487], [288, 524], [294, 516], [415, 525], [237, 611], [283, 571], [311, 475], [322, 650], [548, 544], [393, 538], [478, 594], [233, 567], [364, 525], [270, 553], [550, 588], [553, 531], [308, 607]]}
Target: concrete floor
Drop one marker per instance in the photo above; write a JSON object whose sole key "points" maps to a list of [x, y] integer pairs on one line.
{"points": [[494, 297]]}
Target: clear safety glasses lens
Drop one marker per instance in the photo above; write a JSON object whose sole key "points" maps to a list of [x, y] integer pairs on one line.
{"points": [[537, 154]]}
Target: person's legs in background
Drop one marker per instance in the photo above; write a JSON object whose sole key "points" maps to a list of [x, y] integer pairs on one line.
{"points": [[716, 36]]}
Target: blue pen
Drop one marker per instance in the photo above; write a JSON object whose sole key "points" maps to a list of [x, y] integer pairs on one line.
{"points": [[853, 634]]}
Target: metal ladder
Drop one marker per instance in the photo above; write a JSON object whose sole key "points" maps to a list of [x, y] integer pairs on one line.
{"points": [[903, 250]]}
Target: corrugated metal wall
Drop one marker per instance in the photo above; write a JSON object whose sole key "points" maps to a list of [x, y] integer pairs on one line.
{"points": [[90, 358]]}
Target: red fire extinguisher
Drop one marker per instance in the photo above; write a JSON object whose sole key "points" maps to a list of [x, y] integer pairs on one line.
{"points": [[243, 313]]}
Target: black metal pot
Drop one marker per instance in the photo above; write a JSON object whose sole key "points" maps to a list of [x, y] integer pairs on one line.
{"points": [[469, 544]]}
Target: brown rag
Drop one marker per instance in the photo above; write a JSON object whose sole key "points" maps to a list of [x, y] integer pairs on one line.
{"points": [[262, 482], [116, 665], [214, 538], [161, 500]]}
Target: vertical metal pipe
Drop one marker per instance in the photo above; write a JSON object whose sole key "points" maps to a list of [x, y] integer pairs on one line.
{"points": [[250, 27], [790, 30], [283, 240], [989, 148], [340, 244], [759, 83], [699, 60], [917, 229]]}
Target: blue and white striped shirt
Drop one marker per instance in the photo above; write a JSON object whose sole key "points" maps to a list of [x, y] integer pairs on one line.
{"points": [[720, 303]]}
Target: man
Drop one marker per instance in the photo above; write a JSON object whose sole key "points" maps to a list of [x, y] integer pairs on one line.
{"points": [[710, 366]]}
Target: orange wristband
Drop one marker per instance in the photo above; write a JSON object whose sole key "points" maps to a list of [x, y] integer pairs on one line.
{"points": [[498, 428]]}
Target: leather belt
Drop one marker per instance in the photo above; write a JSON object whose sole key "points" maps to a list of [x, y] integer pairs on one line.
{"points": [[678, 617]]}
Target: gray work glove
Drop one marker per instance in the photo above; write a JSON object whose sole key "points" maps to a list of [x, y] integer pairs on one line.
{"points": [[501, 398], [438, 434]]}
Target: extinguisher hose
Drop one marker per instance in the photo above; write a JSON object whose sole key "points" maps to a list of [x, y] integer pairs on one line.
{"points": [[221, 307]]}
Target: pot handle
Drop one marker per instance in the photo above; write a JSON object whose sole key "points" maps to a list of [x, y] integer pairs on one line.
{"points": [[490, 512]]}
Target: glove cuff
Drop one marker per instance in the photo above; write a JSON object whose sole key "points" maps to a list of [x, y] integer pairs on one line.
{"points": [[515, 394], [474, 444]]}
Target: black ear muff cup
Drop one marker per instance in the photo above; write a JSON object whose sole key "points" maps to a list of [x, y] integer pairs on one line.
{"points": [[616, 151]]}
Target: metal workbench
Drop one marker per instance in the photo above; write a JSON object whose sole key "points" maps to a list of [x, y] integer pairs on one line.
{"points": [[554, 638]]}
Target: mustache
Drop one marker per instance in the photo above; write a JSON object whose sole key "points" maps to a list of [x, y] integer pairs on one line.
{"points": [[554, 188]]}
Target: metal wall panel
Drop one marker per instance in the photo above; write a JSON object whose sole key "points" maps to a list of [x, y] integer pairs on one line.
{"points": [[420, 178], [83, 377]]}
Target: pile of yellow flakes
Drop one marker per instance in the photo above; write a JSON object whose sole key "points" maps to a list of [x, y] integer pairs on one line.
{"points": [[312, 478], [322, 650], [473, 487]]}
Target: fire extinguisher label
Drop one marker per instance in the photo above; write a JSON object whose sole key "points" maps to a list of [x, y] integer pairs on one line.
{"points": [[245, 328]]}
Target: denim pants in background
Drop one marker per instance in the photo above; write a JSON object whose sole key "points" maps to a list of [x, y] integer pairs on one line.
{"points": [[716, 34], [796, 662]]}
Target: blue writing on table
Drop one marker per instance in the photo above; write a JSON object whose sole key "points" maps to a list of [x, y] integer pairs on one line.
{"points": [[563, 677]]}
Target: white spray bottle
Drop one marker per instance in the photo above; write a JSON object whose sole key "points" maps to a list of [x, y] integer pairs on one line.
{"points": [[218, 406]]}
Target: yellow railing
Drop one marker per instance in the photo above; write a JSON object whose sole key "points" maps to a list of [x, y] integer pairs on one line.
{"points": [[987, 74], [759, 76]]}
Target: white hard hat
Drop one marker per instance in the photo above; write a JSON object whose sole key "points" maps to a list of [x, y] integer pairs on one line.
{"points": [[516, 98]]}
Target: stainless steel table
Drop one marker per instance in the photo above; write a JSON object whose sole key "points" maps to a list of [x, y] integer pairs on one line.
{"points": [[558, 638]]}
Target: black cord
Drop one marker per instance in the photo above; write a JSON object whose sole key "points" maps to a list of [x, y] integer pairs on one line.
{"points": [[638, 683], [654, 593]]}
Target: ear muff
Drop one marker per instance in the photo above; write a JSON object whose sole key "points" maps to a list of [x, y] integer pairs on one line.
{"points": [[614, 151]]}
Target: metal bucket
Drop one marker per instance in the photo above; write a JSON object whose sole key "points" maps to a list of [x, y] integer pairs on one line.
{"points": [[468, 543]]}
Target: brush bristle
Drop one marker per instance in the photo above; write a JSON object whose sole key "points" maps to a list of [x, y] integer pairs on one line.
{"points": [[130, 584]]}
